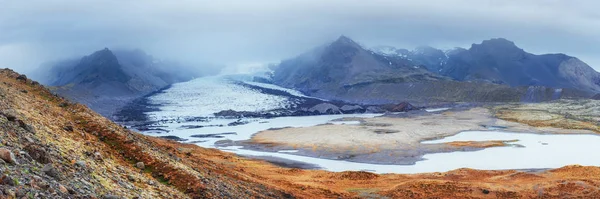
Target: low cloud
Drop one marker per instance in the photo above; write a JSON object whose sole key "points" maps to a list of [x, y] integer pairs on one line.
{"points": [[238, 32]]}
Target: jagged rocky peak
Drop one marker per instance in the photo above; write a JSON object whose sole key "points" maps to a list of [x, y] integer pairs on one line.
{"points": [[344, 40], [104, 54], [496, 46], [428, 50], [455, 51], [499, 42], [342, 49]]}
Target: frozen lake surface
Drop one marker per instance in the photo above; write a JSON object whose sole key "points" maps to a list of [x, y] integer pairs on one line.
{"points": [[537, 151]]}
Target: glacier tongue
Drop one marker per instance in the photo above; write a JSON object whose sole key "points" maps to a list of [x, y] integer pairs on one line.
{"points": [[204, 96]]}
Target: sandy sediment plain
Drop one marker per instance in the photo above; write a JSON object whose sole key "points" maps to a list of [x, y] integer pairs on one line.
{"points": [[396, 138]]}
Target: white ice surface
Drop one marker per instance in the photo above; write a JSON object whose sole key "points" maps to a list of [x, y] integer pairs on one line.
{"points": [[204, 96], [436, 109]]}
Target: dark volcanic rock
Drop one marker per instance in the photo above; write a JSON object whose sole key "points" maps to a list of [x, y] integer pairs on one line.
{"points": [[325, 108], [238, 122], [374, 109], [174, 138], [237, 114], [402, 107], [215, 135], [49, 170], [22, 77], [38, 153]]}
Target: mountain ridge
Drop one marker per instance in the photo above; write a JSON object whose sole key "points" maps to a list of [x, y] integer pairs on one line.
{"points": [[501, 61], [344, 70]]}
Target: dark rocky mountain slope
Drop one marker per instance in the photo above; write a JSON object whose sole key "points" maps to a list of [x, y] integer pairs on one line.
{"points": [[344, 70], [107, 80], [500, 61]]}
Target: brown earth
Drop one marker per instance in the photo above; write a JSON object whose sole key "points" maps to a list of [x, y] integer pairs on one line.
{"points": [[568, 114], [51, 130]]}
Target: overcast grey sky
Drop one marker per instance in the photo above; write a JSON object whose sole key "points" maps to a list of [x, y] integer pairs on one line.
{"points": [[254, 31]]}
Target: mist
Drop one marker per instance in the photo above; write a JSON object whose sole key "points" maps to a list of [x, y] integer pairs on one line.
{"points": [[240, 33]]}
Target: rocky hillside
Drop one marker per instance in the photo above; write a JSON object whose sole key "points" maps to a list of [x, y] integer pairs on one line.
{"points": [[52, 148], [344, 70], [106, 80]]}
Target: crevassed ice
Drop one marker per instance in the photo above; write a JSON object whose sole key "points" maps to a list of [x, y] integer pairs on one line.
{"points": [[204, 96], [275, 87]]}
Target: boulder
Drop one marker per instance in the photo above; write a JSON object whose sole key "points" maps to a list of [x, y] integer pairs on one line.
{"points": [[140, 165], [7, 180], [38, 153], [22, 78], [8, 156], [63, 189], [374, 109], [325, 108], [108, 196], [81, 164], [97, 156], [10, 114], [402, 107], [49, 170], [352, 109]]}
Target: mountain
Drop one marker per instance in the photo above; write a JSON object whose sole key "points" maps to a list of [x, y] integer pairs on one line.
{"points": [[342, 65], [344, 70], [500, 61], [431, 58], [106, 80]]}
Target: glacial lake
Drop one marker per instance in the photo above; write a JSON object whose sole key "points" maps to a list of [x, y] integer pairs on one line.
{"points": [[538, 151], [203, 96]]}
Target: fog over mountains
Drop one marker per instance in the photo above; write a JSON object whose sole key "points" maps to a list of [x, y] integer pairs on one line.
{"points": [[495, 70], [106, 79], [238, 32]]}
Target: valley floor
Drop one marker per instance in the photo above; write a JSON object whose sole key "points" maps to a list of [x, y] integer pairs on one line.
{"points": [[400, 138]]}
